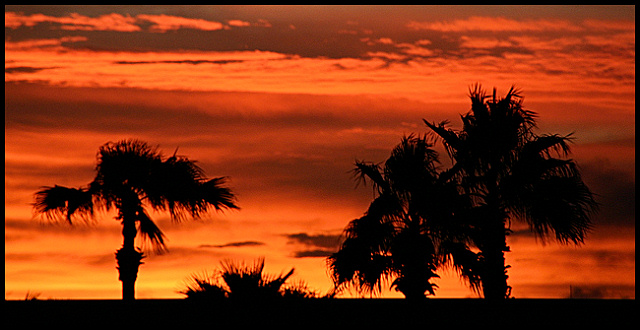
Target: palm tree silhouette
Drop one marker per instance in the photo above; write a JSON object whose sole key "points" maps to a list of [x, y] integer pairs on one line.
{"points": [[416, 223], [129, 176], [514, 174], [245, 283]]}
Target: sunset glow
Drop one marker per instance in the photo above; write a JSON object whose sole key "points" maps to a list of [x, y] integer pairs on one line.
{"points": [[283, 100]]}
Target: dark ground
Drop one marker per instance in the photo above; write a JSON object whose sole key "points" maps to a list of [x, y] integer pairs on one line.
{"points": [[334, 313]]}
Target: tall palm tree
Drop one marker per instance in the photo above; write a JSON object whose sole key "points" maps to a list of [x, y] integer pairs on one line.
{"points": [[130, 175], [410, 228], [514, 174]]}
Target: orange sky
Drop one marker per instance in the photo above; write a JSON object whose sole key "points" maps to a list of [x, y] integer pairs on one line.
{"points": [[283, 100]]}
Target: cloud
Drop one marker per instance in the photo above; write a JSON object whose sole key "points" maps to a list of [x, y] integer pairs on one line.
{"points": [[108, 22], [62, 257], [264, 23], [495, 24], [122, 23], [14, 20], [237, 22], [619, 25], [35, 105], [317, 246], [232, 244], [192, 62], [483, 43], [320, 240], [615, 191], [611, 258], [400, 52], [313, 254], [50, 44], [26, 69], [164, 23], [604, 291], [413, 65], [94, 116]]}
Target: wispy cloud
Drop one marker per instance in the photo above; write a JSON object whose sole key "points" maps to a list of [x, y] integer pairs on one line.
{"points": [[312, 253], [193, 62], [25, 69], [495, 24], [237, 22], [232, 244], [316, 246], [318, 240], [50, 44], [164, 23], [108, 22], [122, 23], [602, 291]]}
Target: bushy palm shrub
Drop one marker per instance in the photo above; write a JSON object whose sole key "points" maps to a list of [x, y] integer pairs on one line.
{"points": [[245, 282]]}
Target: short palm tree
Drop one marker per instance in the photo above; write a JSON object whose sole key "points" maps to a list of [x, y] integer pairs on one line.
{"points": [[245, 283], [249, 282], [513, 174], [130, 175], [409, 230]]}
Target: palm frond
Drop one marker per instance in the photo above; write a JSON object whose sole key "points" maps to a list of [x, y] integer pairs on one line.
{"points": [[548, 193], [199, 199], [560, 205], [369, 171], [249, 281], [384, 210], [543, 145], [150, 231], [412, 164], [362, 262], [176, 183], [175, 180], [204, 287], [214, 193], [479, 109], [450, 138], [464, 261], [127, 163], [374, 231], [353, 266], [60, 202]]}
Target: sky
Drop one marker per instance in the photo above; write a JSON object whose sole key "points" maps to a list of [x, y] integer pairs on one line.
{"points": [[283, 100]]}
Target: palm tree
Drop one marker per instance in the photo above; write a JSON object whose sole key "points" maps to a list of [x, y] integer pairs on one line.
{"points": [[409, 230], [245, 283], [249, 281], [514, 174], [130, 175]]}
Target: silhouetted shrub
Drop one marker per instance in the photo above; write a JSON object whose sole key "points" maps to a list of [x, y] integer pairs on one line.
{"points": [[246, 282]]}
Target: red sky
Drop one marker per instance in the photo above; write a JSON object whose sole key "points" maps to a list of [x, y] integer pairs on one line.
{"points": [[283, 100]]}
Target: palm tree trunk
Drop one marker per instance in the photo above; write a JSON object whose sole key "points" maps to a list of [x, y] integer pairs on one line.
{"points": [[415, 283], [127, 257], [494, 241], [416, 259], [494, 277], [128, 262]]}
